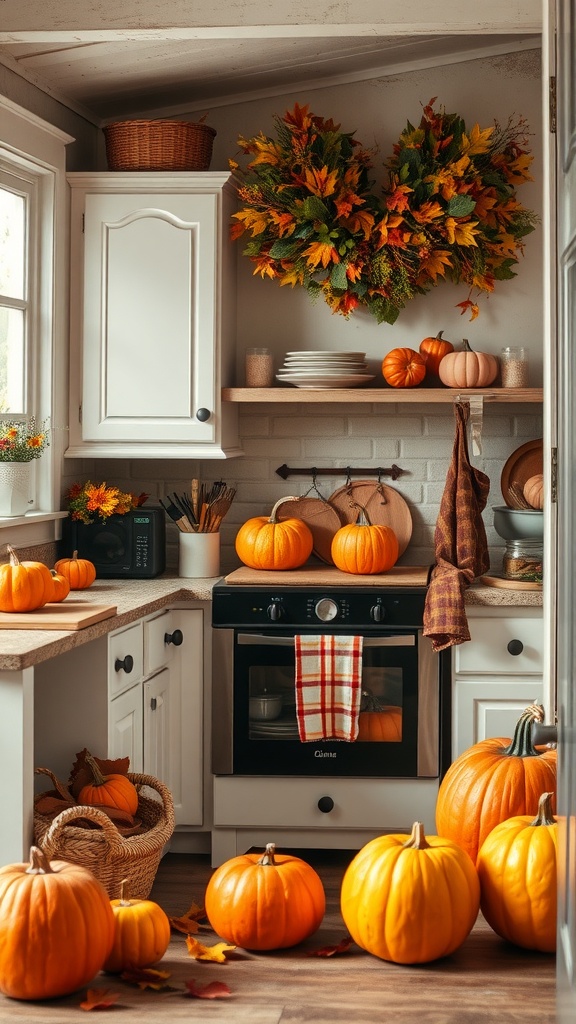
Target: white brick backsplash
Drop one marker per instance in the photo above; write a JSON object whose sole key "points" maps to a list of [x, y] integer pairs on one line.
{"points": [[434, 447], [386, 448], [327, 449], [403, 426], [309, 426]]}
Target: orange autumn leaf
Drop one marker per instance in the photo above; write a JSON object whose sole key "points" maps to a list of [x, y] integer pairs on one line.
{"points": [[190, 921], [146, 977], [461, 234], [214, 990], [397, 200], [363, 221], [468, 306], [321, 182], [215, 953], [99, 999], [435, 264], [342, 947], [428, 212], [252, 220], [321, 252], [478, 140]]}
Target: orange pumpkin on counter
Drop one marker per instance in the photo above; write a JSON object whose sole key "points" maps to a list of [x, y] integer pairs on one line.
{"points": [[265, 542], [24, 586], [60, 586], [403, 368], [80, 572]]}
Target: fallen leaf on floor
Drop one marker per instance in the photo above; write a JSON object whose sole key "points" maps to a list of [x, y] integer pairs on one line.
{"points": [[190, 922], [99, 999], [342, 947], [217, 953], [215, 990], [146, 977]]}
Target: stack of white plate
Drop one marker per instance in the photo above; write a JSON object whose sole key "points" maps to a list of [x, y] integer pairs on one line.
{"points": [[314, 370]]}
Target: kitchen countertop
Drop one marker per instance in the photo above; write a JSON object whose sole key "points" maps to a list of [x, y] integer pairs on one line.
{"points": [[23, 648]]}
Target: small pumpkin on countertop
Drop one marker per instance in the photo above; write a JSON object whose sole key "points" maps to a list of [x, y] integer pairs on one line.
{"points": [[364, 549], [411, 899], [112, 790], [56, 927], [468, 369], [271, 901], [24, 586], [142, 933], [80, 572], [265, 542], [60, 586], [533, 491], [518, 878], [434, 350], [403, 368]]}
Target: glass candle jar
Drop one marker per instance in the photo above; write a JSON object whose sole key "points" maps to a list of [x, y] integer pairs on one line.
{"points": [[523, 560], [259, 368], [514, 367]]}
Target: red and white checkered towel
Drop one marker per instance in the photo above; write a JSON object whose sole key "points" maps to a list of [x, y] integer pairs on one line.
{"points": [[328, 686]]}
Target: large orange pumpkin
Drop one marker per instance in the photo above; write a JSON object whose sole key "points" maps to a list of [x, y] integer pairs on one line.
{"points": [[56, 927], [518, 878], [468, 369], [265, 542], [114, 790], [80, 572], [433, 350], [142, 933], [403, 368], [265, 902], [410, 900], [361, 548], [24, 586], [493, 780]]}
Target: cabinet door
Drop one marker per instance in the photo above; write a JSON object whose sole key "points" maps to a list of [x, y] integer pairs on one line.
{"points": [[149, 320], [125, 727], [157, 739], [485, 708]]}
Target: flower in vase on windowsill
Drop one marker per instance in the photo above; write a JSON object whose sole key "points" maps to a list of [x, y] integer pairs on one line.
{"points": [[88, 501], [22, 441]]}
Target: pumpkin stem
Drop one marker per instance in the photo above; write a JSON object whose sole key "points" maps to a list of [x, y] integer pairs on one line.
{"points": [[74, 554], [521, 745], [544, 816], [417, 839], [439, 336], [98, 778], [14, 560], [466, 345], [364, 518], [289, 497], [39, 863], [267, 858], [124, 900]]}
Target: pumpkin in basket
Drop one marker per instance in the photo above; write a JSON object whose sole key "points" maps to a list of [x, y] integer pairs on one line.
{"points": [[56, 927], [265, 902], [142, 933], [113, 790]]}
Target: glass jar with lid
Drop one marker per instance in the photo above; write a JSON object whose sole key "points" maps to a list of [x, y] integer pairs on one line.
{"points": [[522, 560], [514, 367]]}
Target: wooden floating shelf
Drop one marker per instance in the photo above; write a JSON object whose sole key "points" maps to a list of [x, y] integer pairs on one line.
{"points": [[363, 396]]}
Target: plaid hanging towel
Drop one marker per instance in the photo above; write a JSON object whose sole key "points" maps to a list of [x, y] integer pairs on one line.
{"points": [[328, 686]]}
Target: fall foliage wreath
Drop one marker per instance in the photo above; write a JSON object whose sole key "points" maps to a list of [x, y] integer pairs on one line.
{"points": [[448, 210]]}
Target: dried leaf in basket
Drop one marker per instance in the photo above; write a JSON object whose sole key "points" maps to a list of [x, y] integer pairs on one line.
{"points": [[81, 775]]}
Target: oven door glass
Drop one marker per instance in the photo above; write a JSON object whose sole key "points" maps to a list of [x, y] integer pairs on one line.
{"points": [[398, 724]]}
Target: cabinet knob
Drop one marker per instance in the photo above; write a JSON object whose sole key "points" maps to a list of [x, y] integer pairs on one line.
{"points": [[515, 647], [175, 638], [127, 663], [203, 415], [325, 804]]}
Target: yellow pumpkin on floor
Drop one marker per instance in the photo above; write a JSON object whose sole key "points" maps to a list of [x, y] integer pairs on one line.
{"points": [[142, 933]]}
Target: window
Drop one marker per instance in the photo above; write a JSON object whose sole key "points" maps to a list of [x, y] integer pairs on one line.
{"points": [[33, 301]]}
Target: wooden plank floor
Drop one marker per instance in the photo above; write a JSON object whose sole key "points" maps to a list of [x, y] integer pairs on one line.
{"points": [[486, 980]]}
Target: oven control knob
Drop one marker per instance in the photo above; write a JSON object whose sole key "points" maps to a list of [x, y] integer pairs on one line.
{"points": [[377, 613], [325, 804], [275, 611], [326, 609]]}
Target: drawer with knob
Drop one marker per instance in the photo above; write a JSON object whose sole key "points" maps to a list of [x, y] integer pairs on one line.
{"points": [[508, 645], [125, 658]]}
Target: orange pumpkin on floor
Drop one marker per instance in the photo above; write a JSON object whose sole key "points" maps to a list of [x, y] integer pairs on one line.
{"points": [[271, 901], [142, 933], [493, 780]]}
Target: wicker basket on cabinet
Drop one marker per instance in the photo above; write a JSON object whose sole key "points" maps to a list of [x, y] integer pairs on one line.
{"points": [[110, 856], [159, 145]]}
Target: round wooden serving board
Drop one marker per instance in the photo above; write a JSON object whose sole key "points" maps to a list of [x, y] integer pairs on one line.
{"points": [[322, 519], [384, 505], [492, 580]]}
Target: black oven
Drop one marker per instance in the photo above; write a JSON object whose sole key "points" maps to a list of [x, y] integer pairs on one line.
{"points": [[405, 686]]}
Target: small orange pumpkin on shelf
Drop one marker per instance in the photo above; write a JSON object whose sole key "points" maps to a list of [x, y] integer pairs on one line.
{"points": [[403, 368], [114, 790], [24, 586], [80, 572], [433, 350]]}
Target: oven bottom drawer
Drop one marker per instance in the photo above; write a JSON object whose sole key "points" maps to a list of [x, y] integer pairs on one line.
{"points": [[392, 805]]}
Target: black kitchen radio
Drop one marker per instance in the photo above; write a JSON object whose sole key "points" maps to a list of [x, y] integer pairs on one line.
{"points": [[130, 546]]}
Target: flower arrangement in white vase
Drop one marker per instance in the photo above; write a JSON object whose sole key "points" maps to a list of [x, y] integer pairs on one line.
{"points": [[21, 441]]}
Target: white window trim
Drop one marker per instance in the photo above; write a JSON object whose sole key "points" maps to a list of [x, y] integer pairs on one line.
{"points": [[26, 141]]}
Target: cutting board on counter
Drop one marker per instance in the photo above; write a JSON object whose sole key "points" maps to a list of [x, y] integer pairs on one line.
{"points": [[329, 576], [64, 615]]}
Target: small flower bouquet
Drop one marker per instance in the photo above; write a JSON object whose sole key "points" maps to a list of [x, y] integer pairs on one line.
{"points": [[22, 441], [87, 502]]}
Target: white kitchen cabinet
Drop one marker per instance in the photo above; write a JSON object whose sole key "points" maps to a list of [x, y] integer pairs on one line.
{"points": [[153, 315], [497, 674], [155, 717]]}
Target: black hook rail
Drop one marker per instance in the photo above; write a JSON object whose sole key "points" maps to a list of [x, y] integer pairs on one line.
{"points": [[392, 471]]}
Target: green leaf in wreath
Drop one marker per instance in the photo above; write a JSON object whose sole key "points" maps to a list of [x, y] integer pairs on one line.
{"points": [[461, 206], [504, 272], [314, 209], [338, 277], [282, 249]]}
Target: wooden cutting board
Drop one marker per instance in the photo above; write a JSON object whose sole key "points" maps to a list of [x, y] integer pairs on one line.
{"points": [[330, 576], [493, 580], [68, 614]]}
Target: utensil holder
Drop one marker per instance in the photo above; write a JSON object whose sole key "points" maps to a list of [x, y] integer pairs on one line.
{"points": [[199, 555]]}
